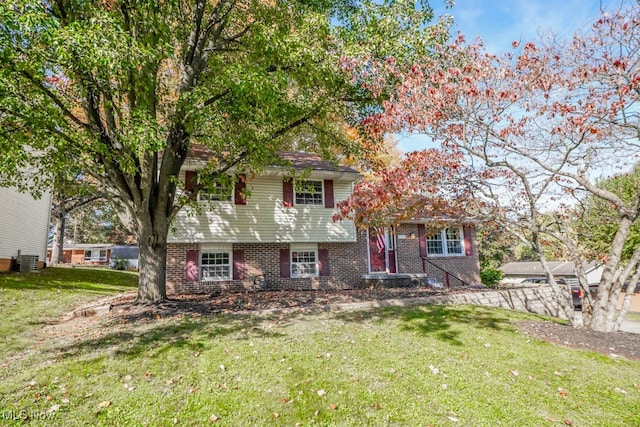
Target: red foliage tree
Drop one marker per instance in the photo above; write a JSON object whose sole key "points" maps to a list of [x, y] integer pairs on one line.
{"points": [[548, 119], [426, 184]]}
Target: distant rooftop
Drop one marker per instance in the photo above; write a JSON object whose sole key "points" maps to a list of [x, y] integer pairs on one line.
{"points": [[534, 268]]}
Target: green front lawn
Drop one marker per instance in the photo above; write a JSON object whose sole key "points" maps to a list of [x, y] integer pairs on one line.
{"points": [[427, 365], [30, 300]]}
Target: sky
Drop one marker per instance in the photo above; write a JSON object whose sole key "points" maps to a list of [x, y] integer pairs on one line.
{"points": [[500, 22]]}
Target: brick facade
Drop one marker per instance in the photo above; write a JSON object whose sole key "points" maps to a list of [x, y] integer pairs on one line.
{"points": [[346, 268], [466, 268], [347, 265]]}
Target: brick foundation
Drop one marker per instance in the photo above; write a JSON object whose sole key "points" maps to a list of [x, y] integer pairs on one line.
{"points": [[5, 265], [348, 265], [467, 268], [262, 260]]}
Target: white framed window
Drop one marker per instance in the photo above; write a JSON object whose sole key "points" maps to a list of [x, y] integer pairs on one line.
{"points": [[217, 192], [95, 255], [308, 193], [215, 263], [304, 260], [446, 242]]}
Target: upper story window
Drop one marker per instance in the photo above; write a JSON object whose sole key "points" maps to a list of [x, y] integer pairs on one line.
{"points": [[446, 242], [308, 193], [217, 192]]}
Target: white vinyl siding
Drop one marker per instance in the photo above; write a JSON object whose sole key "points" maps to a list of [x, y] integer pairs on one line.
{"points": [[25, 224], [265, 219]]}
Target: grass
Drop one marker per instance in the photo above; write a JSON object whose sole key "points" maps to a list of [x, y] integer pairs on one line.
{"points": [[428, 365], [29, 300]]}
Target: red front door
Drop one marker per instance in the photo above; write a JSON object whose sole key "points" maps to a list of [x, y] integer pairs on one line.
{"points": [[377, 252], [382, 254]]}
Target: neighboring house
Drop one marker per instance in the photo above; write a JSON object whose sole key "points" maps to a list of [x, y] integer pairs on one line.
{"points": [[516, 272], [275, 232], [85, 253], [24, 227], [124, 257]]}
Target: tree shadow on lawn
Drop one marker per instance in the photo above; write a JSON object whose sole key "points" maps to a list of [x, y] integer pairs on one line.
{"points": [[196, 334], [445, 323]]}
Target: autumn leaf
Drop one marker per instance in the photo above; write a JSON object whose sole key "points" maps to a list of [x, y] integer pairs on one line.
{"points": [[333, 407], [104, 404], [213, 418]]}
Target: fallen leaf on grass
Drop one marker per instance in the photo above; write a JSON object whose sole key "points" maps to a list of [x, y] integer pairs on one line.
{"points": [[562, 392], [568, 422], [333, 407], [54, 408], [453, 419], [213, 418], [515, 373], [321, 392], [104, 404], [619, 390], [377, 406]]}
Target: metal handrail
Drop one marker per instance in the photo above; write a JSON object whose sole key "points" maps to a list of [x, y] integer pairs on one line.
{"points": [[447, 274]]}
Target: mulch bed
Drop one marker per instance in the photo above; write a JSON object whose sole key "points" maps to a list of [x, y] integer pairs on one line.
{"points": [[616, 344], [265, 300]]}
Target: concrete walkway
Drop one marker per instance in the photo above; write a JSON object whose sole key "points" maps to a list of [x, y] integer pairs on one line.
{"points": [[632, 326]]}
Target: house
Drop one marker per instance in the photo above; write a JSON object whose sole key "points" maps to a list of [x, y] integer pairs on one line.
{"points": [[517, 272], [85, 253], [23, 230], [124, 257], [276, 231]]}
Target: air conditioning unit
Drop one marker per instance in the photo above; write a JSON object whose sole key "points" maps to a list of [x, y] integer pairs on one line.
{"points": [[28, 262]]}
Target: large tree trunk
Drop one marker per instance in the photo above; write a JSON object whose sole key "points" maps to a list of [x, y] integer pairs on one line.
{"points": [[152, 241], [152, 265], [58, 239], [604, 310]]}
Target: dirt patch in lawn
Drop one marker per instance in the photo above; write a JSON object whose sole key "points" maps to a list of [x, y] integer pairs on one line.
{"points": [[123, 309]]}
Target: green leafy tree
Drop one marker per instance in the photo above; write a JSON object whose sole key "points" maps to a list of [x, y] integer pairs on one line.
{"points": [[123, 89], [70, 194], [98, 222], [598, 221]]}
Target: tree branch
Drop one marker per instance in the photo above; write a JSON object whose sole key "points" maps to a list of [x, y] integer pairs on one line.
{"points": [[54, 98]]}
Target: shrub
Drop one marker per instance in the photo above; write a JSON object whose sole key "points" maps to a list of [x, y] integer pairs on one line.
{"points": [[491, 276]]}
